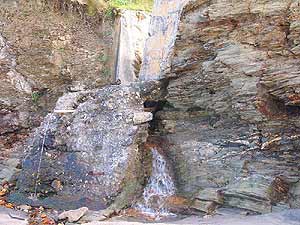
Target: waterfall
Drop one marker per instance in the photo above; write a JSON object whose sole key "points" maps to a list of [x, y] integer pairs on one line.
{"points": [[158, 189], [41, 150]]}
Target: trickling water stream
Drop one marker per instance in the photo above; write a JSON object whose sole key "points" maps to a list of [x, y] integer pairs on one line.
{"points": [[158, 189], [41, 151]]}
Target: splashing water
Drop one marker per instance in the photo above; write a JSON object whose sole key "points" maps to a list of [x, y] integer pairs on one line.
{"points": [[41, 151], [158, 189]]}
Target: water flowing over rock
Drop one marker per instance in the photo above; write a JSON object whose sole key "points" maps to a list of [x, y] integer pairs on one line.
{"points": [[42, 55], [163, 29], [160, 186], [131, 32], [219, 83], [232, 111], [91, 146]]}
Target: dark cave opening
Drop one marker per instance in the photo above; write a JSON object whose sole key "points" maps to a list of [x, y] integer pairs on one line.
{"points": [[154, 107]]}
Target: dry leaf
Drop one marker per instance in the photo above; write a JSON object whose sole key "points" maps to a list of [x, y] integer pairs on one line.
{"points": [[2, 202], [3, 192], [9, 205]]}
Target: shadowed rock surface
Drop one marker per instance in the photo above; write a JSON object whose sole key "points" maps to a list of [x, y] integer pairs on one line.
{"points": [[232, 112]]}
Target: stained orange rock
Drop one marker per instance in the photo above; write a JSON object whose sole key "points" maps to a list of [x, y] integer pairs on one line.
{"points": [[43, 215], [177, 201], [295, 98], [137, 214]]}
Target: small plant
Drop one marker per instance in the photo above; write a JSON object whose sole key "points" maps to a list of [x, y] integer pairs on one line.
{"points": [[145, 5], [122, 2], [106, 72], [103, 58], [35, 96], [109, 12], [62, 49]]}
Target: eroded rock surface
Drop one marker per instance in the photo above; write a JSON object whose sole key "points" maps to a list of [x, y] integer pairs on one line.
{"points": [[232, 112], [44, 52], [131, 32], [87, 153]]}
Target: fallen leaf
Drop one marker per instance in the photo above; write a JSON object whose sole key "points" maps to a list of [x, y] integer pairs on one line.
{"points": [[3, 192], [2, 202], [47, 221], [9, 205]]}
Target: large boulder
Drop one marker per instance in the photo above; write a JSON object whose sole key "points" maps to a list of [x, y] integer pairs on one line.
{"points": [[86, 153]]}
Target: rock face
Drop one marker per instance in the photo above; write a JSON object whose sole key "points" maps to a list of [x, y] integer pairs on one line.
{"points": [[43, 53], [162, 35], [131, 31], [228, 108], [233, 109], [93, 152]]}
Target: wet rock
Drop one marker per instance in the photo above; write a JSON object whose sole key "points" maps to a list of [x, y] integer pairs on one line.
{"points": [[142, 117], [130, 47], [38, 65], [24, 208], [232, 111], [162, 34], [89, 156], [73, 215]]}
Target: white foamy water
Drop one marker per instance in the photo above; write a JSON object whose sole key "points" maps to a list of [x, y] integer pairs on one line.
{"points": [[158, 189]]}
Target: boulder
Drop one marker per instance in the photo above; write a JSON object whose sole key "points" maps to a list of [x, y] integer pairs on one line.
{"points": [[73, 215], [142, 117], [88, 153]]}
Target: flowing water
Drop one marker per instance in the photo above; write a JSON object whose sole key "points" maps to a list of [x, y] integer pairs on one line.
{"points": [[158, 189], [41, 151]]}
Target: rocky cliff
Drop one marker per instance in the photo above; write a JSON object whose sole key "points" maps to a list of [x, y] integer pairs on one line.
{"points": [[225, 101], [45, 51], [232, 113]]}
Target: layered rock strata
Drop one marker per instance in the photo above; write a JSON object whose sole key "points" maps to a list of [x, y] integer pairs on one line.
{"points": [[232, 112]]}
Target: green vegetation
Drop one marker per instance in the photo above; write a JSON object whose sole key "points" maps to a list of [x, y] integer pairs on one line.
{"points": [[144, 5], [103, 58], [106, 72], [35, 96], [101, 5]]}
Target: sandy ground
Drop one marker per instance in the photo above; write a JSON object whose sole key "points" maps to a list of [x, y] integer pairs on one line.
{"points": [[6, 217], [290, 217]]}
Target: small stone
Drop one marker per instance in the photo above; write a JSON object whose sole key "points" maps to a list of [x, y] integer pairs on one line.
{"points": [[73, 215], [207, 216], [24, 208], [17, 215], [142, 117], [245, 213], [97, 215], [56, 184]]}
